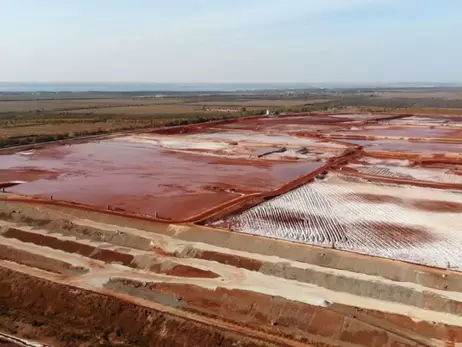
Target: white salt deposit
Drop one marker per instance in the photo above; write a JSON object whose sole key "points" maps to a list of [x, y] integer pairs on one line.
{"points": [[415, 173], [27, 153], [244, 136], [395, 162], [340, 214], [179, 142]]}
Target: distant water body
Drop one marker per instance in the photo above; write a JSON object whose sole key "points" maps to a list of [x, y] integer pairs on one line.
{"points": [[140, 87]]}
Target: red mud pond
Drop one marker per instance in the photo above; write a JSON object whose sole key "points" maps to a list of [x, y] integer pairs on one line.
{"points": [[406, 146], [407, 132], [286, 124], [143, 178]]}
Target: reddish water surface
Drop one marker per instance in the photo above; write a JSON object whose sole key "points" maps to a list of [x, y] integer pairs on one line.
{"points": [[413, 132], [407, 146], [141, 178], [289, 124], [284, 128], [361, 116]]}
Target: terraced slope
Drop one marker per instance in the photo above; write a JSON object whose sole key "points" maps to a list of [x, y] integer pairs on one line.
{"points": [[72, 277]]}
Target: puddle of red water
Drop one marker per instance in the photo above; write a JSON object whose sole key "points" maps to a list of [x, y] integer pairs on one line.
{"points": [[26, 175], [406, 146], [415, 132], [301, 123], [142, 178]]}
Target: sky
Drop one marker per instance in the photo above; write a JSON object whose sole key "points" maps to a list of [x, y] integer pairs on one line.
{"points": [[231, 41]]}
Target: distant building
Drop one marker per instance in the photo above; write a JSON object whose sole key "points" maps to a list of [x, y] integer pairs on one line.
{"points": [[272, 113]]}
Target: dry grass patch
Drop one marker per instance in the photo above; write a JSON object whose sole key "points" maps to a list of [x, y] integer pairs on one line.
{"points": [[259, 103], [145, 110], [63, 128], [66, 105]]}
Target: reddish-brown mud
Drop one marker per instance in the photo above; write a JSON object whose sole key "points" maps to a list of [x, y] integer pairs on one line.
{"points": [[371, 145], [189, 271], [287, 119], [438, 206], [403, 181], [421, 204], [407, 132], [376, 198], [142, 283], [143, 179], [429, 120], [290, 124], [388, 232], [26, 174]]}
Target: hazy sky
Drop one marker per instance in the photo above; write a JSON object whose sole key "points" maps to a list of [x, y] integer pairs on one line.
{"points": [[307, 41]]}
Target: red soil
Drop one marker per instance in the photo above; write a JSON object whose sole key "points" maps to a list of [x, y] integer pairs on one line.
{"points": [[105, 255], [301, 321], [37, 261], [192, 272], [51, 312], [229, 259]]}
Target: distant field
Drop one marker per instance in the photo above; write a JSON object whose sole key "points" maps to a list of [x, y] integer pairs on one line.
{"points": [[145, 110], [68, 105], [260, 103], [125, 104], [447, 95], [47, 129], [28, 118], [194, 107]]}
